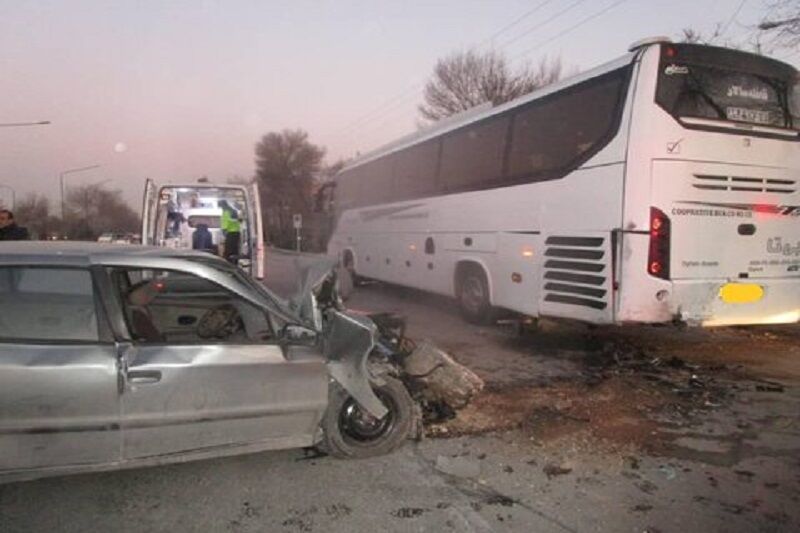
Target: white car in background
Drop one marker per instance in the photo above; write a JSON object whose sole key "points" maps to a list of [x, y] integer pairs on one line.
{"points": [[117, 238]]}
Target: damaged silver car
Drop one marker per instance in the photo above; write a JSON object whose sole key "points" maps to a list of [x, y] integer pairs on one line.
{"points": [[115, 356]]}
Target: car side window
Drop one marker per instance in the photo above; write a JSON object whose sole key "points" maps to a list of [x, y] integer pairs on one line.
{"points": [[47, 304], [171, 307]]}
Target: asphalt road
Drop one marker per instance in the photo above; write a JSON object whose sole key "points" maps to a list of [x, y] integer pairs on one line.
{"points": [[708, 442]]}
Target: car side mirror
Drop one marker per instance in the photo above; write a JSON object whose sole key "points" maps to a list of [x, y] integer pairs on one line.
{"points": [[298, 334]]}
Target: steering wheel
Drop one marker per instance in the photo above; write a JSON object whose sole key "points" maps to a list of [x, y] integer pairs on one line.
{"points": [[219, 322]]}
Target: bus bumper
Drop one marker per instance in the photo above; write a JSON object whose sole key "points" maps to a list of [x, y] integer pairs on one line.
{"points": [[702, 302]]}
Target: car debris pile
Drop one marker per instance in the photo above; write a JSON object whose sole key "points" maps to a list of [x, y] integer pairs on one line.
{"points": [[433, 378], [438, 382]]}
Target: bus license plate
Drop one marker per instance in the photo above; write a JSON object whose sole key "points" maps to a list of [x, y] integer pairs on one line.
{"points": [[754, 116], [741, 293]]}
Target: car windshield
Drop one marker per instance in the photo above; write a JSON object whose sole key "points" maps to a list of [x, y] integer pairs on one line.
{"points": [[242, 277]]}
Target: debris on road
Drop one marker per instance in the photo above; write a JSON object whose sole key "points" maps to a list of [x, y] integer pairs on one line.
{"points": [[458, 466], [667, 471], [769, 387], [553, 470], [440, 377]]}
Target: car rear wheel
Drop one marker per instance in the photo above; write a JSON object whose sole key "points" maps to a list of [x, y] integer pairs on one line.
{"points": [[351, 432]]}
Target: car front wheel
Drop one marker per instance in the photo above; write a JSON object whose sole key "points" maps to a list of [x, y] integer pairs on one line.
{"points": [[351, 432]]}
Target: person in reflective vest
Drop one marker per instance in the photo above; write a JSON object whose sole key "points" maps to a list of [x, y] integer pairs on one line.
{"points": [[231, 228]]}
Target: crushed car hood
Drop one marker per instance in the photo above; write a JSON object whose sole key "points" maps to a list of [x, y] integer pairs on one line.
{"points": [[347, 338]]}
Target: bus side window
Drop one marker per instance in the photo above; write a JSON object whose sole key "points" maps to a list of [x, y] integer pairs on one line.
{"points": [[553, 135], [430, 248], [472, 157]]}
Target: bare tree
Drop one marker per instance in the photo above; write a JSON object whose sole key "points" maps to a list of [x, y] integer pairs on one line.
{"points": [[466, 79], [693, 36], [779, 28], [33, 212], [783, 21], [286, 166], [92, 210]]}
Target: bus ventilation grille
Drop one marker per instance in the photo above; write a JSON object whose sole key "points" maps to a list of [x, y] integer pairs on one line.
{"points": [[574, 271], [744, 184]]}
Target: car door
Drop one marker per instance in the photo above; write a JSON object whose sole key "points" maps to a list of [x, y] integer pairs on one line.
{"points": [[59, 402], [255, 226], [212, 395], [149, 210]]}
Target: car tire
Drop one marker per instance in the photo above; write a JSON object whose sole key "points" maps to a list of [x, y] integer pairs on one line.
{"points": [[350, 432], [473, 296]]}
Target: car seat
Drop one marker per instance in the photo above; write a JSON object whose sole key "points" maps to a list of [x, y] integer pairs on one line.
{"points": [[139, 297]]}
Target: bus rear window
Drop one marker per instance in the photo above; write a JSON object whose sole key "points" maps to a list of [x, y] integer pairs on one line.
{"points": [[725, 85]]}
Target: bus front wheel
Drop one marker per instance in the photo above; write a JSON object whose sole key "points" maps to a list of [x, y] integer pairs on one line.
{"points": [[472, 293]]}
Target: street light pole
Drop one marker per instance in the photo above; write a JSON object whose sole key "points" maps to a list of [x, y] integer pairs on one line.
{"points": [[13, 195], [61, 179], [21, 124]]}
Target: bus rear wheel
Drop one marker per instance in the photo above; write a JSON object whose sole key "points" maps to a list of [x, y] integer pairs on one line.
{"points": [[472, 293]]}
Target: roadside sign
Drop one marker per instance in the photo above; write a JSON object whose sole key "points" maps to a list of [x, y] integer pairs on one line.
{"points": [[297, 220]]}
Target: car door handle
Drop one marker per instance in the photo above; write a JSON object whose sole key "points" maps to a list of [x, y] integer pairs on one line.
{"points": [[143, 377]]}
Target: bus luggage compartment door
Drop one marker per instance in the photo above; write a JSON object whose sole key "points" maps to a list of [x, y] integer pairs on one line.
{"points": [[578, 276]]}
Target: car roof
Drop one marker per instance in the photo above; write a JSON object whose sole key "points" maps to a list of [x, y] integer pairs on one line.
{"points": [[78, 252]]}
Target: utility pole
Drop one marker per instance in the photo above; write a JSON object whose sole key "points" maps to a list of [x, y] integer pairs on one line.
{"points": [[297, 221], [61, 179]]}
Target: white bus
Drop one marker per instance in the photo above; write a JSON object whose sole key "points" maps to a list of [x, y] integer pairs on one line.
{"points": [[660, 186]]}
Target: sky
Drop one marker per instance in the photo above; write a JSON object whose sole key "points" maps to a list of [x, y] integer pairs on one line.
{"points": [[177, 90]]}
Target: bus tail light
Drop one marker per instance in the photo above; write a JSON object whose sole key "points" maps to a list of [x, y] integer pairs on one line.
{"points": [[658, 255]]}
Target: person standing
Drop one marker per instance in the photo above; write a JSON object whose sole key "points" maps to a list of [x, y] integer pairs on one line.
{"points": [[174, 218], [231, 227], [9, 230]]}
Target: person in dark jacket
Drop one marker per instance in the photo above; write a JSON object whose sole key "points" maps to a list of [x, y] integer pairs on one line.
{"points": [[202, 240], [9, 230]]}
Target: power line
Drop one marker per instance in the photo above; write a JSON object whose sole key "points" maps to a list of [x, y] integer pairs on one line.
{"points": [[571, 28], [733, 17], [515, 22], [381, 119], [537, 26], [387, 103], [391, 102], [396, 102]]}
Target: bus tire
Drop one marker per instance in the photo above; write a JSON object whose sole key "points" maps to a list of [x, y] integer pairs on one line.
{"points": [[472, 294], [351, 433]]}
